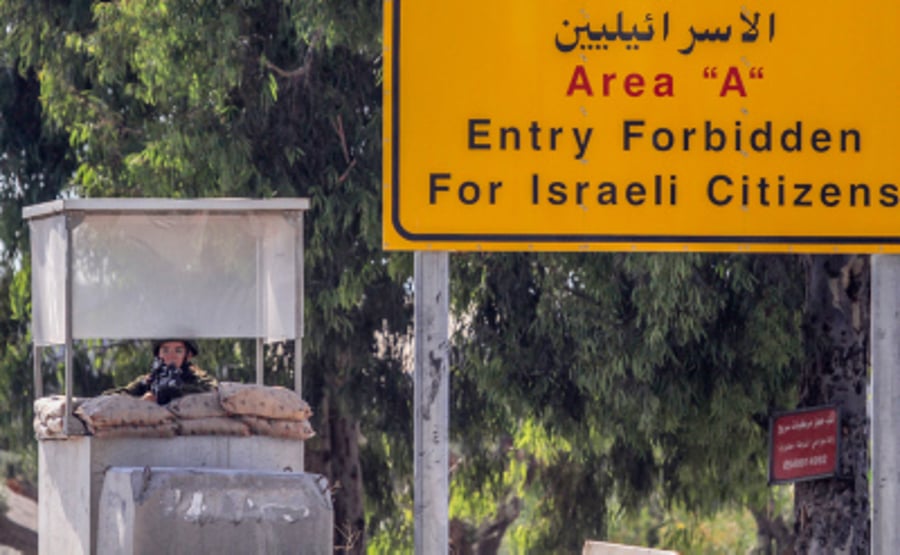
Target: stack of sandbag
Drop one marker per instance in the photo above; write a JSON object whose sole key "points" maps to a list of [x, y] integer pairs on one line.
{"points": [[268, 410], [48, 417], [122, 415], [201, 414]]}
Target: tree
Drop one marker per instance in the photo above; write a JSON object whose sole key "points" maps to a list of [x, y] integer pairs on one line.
{"points": [[188, 99], [833, 515], [34, 166], [648, 367], [592, 377]]}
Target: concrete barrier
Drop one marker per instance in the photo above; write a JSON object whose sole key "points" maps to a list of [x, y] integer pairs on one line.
{"points": [[186, 511], [71, 474]]}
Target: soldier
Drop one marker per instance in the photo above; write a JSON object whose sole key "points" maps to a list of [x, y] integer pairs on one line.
{"points": [[172, 374]]}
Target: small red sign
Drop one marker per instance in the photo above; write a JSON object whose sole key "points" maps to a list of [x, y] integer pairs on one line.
{"points": [[804, 445]]}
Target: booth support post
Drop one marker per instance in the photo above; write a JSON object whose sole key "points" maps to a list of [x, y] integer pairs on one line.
{"points": [[260, 347], [68, 323], [38, 373], [298, 319], [298, 305]]}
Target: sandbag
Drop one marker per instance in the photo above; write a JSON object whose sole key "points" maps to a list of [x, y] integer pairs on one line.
{"points": [[113, 411], [165, 429], [271, 402], [52, 428], [48, 417], [197, 405], [53, 406], [287, 429], [213, 426]]}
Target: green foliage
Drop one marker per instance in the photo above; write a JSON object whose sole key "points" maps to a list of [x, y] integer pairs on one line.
{"points": [[34, 164], [576, 378], [394, 535], [648, 365], [186, 99], [730, 529]]}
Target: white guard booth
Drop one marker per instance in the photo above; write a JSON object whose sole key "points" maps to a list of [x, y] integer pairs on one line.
{"points": [[148, 269]]}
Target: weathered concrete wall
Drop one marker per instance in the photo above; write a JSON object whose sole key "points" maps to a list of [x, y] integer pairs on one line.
{"points": [[71, 471], [64, 494], [151, 510]]}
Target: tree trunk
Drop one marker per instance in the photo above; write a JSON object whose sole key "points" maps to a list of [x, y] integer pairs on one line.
{"points": [[832, 515], [773, 536], [465, 539], [338, 459]]}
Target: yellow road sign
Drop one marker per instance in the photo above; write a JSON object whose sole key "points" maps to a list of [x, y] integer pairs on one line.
{"points": [[663, 125]]}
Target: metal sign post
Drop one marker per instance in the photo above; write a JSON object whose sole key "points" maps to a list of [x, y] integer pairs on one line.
{"points": [[431, 496], [885, 353]]}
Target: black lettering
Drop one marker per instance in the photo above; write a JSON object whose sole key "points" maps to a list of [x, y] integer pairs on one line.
{"points": [[494, 186], [554, 131], [635, 193], [804, 188], [821, 140], [535, 131], [579, 191], [830, 194], [469, 198], [765, 134], [669, 139], [859, 187], [711, 132], [793, 135], [763, 188], [474, 133], [557, 191], [606, 193], [516, 137], [848, 134], [628, 134], [889, 197], [710, 190], [688, 133], [434, 188]]}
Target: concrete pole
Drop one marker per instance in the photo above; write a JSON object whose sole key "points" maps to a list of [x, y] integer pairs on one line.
{"points": [[885, 339], [431, 404]]}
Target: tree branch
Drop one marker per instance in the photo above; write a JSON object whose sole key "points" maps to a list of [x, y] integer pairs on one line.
{"points": [[290, 73]]}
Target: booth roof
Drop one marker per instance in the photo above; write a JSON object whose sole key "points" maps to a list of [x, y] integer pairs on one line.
{"points": [[149, 205]]}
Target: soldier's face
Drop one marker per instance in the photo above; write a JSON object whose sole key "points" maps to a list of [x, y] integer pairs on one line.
{"points": [[174, 353]]}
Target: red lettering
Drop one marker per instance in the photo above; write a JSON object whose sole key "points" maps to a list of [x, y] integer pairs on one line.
{"points": [[665, 85], [580, 82], [733, 82], [607, 79], [634, 84]]}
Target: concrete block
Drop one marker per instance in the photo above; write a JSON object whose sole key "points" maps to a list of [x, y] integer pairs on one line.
{"points": [[71, 473], [153, 510]]}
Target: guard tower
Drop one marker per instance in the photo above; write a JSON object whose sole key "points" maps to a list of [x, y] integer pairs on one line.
{"points": [[148, 269]]}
